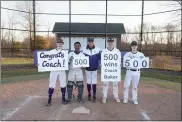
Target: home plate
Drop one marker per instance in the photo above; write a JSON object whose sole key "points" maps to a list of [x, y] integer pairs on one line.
{"points": [[81, 110]]}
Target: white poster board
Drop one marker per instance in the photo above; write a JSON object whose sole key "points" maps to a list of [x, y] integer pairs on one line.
{"points": [[52, 60], [136, 63], [111, 66], [80, 61]]}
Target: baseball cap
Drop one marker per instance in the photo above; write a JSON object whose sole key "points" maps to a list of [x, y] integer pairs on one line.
{"points": [[110, 39], [90, 39], [133, 43], [60, 41]]}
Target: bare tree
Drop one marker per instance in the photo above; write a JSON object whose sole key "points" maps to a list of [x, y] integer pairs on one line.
{"points": [[170, 36], [176, 16], [4, 36], [27, 19], [125, 37]]}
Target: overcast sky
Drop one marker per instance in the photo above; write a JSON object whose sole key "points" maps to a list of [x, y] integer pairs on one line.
{"points": [[95, 7]]}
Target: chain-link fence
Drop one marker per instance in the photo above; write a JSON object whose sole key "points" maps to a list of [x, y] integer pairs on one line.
{"points": [[153, 40]]}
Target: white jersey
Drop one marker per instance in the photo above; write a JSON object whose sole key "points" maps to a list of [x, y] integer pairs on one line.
{"points": [[134, 55], [113, 50], [73, 54], [92, 51], [56, 50]]}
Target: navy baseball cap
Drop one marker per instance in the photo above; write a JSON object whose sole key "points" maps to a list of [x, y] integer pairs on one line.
{"points": [[60, 41], [134, 43], [90, 39], [110, 39]]}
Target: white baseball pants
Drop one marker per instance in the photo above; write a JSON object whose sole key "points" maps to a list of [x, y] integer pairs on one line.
{"points": [[133, 76], [91, 77], [54, 75], [75, 75], [115, 89]]}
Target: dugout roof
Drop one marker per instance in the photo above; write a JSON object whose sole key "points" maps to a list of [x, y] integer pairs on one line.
{"points": [[88, 28]]}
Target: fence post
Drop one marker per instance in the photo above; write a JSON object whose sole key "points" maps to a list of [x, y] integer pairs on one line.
{"points": [[69, 25], [106, 26], [141, 34], [34, 24]]}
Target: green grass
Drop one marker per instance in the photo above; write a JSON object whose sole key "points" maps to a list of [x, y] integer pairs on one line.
{"points": [[157, 75], [162, 83], [161, 76], [21, 72], [17, 61], [21, 78]]}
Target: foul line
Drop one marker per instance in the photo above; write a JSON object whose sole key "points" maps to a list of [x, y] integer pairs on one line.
{"points": [[9, 115], [142, 112]]}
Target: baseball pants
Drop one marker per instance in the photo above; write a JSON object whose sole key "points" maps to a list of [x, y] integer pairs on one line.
{"points": [[133, 76], [75, 75], [91, 77], [115, 89], [54, 75]]}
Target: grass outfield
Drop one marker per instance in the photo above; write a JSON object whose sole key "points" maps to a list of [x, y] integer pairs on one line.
{"points": [[17, 60], [162, 80]]}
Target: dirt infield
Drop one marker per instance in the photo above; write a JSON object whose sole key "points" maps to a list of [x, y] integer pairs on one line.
{"points": [[27, 100]]}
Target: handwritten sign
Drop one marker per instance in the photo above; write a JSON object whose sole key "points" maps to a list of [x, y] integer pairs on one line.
{"points": [[81, 61], [52, 60], [111, 66]]}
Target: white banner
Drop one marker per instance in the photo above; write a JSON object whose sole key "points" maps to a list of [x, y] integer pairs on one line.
{"points": [[136, 63], [80, 62], [52, 60], [111, 66]]}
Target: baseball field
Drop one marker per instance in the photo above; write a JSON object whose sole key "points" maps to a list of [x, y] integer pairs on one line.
{"points": [[24, 96]]}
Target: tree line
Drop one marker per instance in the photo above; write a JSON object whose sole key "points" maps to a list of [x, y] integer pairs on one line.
{"points": [[154, 37]]}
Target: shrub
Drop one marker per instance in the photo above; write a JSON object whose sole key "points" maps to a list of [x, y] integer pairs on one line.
{"points": [[164, 62]]}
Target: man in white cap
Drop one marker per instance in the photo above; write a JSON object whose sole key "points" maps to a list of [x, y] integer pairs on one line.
{"points": [[132, 74], [61, 75]]}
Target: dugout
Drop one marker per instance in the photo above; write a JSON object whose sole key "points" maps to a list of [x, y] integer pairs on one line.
{"points": [[72, 32]]}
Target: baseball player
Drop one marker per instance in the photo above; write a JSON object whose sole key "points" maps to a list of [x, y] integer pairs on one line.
{"points": [[91, 71], [75, 74], [132, 74], [109, 48], [61, 75]]}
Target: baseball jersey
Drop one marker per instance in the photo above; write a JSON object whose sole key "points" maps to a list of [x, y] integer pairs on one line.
{"points": [[113, 50], [57, 50], [134, 55], [93, 60], [73, 54]]}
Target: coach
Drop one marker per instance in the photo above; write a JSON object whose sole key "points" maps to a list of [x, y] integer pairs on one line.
{"points": [[91, 71]]}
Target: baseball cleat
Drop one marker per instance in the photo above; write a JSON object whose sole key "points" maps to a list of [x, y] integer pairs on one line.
{"points": [[80, 100], [69, 101], [117, 100], [104, 100], [125, 101], [89, 97], [64, 101], [135, 102], [49, 103], [94, 100]]}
